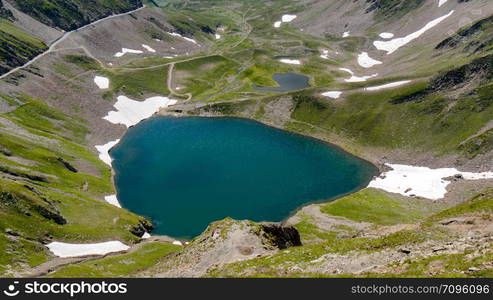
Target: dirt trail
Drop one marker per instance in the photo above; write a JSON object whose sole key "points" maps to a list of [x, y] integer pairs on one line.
{"points": [[170, 84], [64, 37]]}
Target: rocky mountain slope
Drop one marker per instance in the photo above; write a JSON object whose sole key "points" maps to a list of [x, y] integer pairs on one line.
{"points": [[208, 55], [23, 35]]}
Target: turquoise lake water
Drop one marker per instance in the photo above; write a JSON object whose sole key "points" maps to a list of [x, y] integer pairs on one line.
{"points": [[184, 173], [287, 82]]}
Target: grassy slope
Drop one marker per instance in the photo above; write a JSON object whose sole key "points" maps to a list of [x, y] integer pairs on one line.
{"points": [[378, 207], [42, 198], [16, 46]]}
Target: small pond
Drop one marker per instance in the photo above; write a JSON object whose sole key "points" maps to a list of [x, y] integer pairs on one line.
{"points": [[287, 82]]}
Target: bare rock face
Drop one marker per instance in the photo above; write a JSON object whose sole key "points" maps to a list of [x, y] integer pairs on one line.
{"points": [[282, 237], [224, 242]]}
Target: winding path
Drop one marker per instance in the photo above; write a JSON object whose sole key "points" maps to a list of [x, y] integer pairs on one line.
{"points": [[170, 85], [63, 37]]}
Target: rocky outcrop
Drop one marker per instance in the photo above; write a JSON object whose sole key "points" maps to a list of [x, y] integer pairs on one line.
{"points": [[67, 165], [281, 237], [5, 13], [141, 228], [225, 242], [479, 71], [468, 36], [50, 214]]}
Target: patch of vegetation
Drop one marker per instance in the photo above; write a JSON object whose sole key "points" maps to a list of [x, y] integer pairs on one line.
{"points": [[482, 202], [448, 265], [138, 83], [478, 145], [205, 76], [84, 62], [379, 207], [16, 46], [374, 119]]}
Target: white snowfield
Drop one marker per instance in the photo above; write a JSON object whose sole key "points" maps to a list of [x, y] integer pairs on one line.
{"points": [[148, 48], [183, 37], [285, 19], [127, 50], [146, 235], [288, 18], [104, 151], [394, 44], [441, 2], [290, 61], [421, 181], [325, 54], [387, 86], [75, 250], [356, 78], [217, 36], [346, 34], [332, 94], [130, 112], [386, 35], [102, 82], [113, 200], [178, 243], [366, 61]]}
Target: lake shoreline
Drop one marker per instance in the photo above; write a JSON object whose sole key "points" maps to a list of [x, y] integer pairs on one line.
{"points": [[368, 167]]}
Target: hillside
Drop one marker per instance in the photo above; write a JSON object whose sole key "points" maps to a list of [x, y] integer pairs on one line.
{"points": [[398, 83], [20, 32], [72, 14]]}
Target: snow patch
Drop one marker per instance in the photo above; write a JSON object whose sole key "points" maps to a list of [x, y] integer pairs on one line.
{"points": [[332, 94], [325, 54], [130, 112], [217, 36], [441, 2], [386, 35], [102, 82], [388, 85], [346, 34], [421, 181], [148, 48], [104, 151], [366, 61], [183, 37], [288, 18], [126, 50], [75, 250], [393, 45], [113, 200], [284, 19], [290, 61], [355, 78], [178, 243], [146, 235]]}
